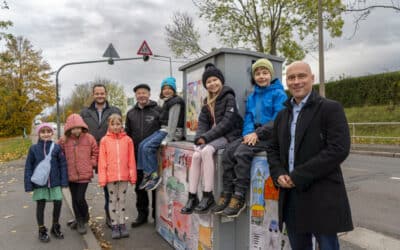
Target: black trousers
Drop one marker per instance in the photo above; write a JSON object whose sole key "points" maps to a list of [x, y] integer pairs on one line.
{"points": [[142, 197], [236, 162], [41, 205], [79, 204]]}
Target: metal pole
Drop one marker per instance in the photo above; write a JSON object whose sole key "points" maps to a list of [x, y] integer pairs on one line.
{"points": [[75, 63], [321, 51], [170, 62]]}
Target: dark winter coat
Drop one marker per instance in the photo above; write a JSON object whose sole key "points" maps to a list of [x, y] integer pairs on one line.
{"points": [[141, 123], [91, 118], [58, 172], [164, 116], [322, 144], [227, 119]]}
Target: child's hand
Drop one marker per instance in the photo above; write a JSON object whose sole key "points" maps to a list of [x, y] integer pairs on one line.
{"points": [[250, 139], [201, 141]]}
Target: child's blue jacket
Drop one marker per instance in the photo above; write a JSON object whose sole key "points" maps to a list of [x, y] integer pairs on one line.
{"points": [[263, 105]]}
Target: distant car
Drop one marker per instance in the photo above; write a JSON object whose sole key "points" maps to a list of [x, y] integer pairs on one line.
{"points": [[37, 122]]}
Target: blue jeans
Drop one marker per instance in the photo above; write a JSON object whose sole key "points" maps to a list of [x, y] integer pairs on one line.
{"points": [[147, 153], [303, 241]]}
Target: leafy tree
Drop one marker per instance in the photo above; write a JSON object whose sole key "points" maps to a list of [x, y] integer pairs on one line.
{"points": [[182, 37], [4, 24], [25, 86], [270, 26]]}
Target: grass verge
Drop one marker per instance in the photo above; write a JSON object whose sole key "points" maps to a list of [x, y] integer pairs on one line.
{"points": [[13, 148]]}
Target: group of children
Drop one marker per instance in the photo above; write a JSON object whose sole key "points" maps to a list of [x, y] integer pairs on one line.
{"points": [[76, 154]]}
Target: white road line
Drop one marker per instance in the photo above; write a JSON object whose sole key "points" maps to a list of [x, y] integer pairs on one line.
{"points": [[395, 178]]}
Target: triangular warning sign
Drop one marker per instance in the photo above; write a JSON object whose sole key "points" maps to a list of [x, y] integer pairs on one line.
{"points": [[144, 49], [111, 52]]}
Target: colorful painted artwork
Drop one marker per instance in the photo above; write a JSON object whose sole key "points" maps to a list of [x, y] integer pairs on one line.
{"points": [[196, 93], [264, 228], [184, 232]]}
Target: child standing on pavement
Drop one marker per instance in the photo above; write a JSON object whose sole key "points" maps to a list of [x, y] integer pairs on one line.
{"points": [[172, 122], [219, 123], [262, 106], [58, 178], [117, 167], [81, 151]]}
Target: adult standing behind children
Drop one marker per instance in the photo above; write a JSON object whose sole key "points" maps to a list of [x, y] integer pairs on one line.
{"points": [[95, 116], [142, 121], [81, 150], [309, 142], [262, 106], [219, 123]]}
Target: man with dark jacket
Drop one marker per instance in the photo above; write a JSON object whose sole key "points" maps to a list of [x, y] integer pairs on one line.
{"points": [[142, 121], [310, 140], [95, 116]]}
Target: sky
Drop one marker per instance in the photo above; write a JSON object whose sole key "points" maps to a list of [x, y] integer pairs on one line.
{"points": [[71, 30]]}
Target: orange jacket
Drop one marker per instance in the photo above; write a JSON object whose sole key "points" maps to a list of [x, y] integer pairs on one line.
{"points": [[116, 159], [81, 153]]}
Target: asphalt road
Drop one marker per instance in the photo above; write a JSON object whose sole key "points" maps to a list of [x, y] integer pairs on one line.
{"points": [[373, 185]]}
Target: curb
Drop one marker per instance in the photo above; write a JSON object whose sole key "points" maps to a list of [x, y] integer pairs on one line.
{"points": [[374, 153], [368, 239], [89, 238]]}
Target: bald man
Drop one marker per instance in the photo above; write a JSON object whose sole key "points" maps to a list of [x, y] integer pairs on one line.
{"points": [[310, 140]]}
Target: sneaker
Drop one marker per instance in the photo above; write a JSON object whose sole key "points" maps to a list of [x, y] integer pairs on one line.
{"points": [[115, 233], [145, 181], [153, 183], [56, 232], [222, 203], [73, 224], [235, 207], [81, 227], [140, 220], [123, 231], [43, 236]]}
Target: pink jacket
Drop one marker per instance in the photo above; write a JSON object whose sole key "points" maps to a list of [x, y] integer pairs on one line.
{"points": [[116, 159], [81, 152]]}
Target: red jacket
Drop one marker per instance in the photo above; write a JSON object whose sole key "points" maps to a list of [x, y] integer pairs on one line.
{"points": [[81, 152], [116, 159]]}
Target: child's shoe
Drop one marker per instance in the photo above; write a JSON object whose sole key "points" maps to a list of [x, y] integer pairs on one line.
{"points": [[153, 182], [223, 202], [206, 203], [81, 228], [191, 203], [123, 231], [56, 232], [235, 207], [115, 233], [43, 236], [145, 181], [73, 224]]}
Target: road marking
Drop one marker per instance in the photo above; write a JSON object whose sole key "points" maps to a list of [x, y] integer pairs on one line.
{"points": [[395, 178]]}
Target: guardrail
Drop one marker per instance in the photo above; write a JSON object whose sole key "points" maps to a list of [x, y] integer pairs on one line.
{"points": [[370, 137]]}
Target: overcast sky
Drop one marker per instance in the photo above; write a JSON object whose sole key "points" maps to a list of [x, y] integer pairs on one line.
{"points": [[72, 30]]}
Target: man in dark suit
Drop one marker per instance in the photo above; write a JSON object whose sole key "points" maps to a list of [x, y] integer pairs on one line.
{"points": [[310, 140]]}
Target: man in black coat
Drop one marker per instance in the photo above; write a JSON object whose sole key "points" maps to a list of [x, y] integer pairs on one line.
{"points": [[142, 121], [310, 140]]}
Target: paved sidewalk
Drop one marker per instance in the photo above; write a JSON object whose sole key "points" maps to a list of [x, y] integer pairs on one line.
{"points": [[18, 228]]}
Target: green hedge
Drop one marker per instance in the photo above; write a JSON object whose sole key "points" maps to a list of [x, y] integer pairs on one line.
{"points": [[381, 89]]}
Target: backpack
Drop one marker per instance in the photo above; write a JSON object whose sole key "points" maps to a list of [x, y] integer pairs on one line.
{"points": [[42, 170]]}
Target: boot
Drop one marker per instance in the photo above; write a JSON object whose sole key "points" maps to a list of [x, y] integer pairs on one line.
{"points": [[43, 236], [123, 231], [140, 220], [81, 228], [108, 219], [223, 202], [206, 203], [191, 203], [115, 234], [235, 207], [55, 231]]}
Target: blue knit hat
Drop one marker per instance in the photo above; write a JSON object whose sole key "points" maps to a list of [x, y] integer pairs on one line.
{"points": [[169, 81]]}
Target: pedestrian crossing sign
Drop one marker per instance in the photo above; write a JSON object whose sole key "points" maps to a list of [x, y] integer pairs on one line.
{"points": [[144, 49]]}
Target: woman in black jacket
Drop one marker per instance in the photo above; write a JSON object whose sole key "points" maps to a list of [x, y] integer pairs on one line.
{"points": [[219, 123]]}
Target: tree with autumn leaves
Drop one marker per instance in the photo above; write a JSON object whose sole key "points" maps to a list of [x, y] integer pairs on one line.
{"points": [[25, 87]]}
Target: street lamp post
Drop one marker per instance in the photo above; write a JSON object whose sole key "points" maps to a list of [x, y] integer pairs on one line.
{"points": [[170, 62], [110, 61]]}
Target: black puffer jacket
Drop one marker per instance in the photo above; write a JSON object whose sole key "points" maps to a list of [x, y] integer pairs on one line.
{"points": [[140, 123], [227, 119]]}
